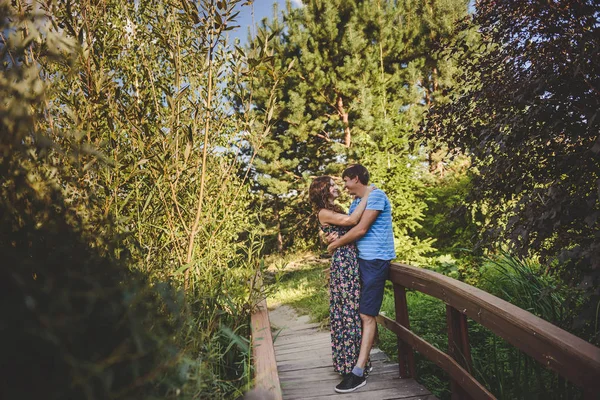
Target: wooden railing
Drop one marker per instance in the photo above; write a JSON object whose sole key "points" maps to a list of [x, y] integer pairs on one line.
{"points": [[566, 354], [266, 378]]}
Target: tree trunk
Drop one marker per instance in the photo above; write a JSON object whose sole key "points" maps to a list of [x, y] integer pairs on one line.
{"points": [[344, 115], [278, 224], [279, 238]]}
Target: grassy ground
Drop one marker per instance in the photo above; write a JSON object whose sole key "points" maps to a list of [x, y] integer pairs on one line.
{"points": [[300, 281]]}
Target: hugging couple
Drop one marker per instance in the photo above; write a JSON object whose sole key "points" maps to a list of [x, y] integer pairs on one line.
{"points": [[362, 247]]}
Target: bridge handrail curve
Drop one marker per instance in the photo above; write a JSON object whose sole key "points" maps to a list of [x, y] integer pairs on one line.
{"points": [[568, 355], [266, 377]]}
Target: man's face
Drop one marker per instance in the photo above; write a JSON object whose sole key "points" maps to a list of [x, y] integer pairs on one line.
{"points": [[350, 184]]}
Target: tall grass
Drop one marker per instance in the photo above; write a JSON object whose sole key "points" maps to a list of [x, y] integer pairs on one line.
{"points": [[526, 284], [508, 372], [131, 114]]}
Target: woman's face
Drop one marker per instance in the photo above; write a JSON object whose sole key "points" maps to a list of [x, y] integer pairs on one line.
{"points": [[334, 190]]}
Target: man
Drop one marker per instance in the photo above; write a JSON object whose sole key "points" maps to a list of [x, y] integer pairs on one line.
{"points": [[374, 238]]}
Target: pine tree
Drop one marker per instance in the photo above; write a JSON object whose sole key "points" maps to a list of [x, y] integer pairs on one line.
{"points": [[358, 75]]}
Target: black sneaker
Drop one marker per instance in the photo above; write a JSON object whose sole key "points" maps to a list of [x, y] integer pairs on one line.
{"points": [[350, 383]]}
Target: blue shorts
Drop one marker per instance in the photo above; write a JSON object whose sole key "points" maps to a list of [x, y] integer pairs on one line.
{"points": [[373, 274]]}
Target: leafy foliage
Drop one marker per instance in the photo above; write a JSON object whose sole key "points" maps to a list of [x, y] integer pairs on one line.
{"points": [[355, 79], [508, 372], [525, 110], [119, 162], [77, 322]]}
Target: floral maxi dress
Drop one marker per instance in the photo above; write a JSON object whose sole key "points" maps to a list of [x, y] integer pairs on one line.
{"points": [[344, 295]]}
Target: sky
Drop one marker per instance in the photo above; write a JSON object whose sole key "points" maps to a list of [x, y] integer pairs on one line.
{"points": [[262, 9]]}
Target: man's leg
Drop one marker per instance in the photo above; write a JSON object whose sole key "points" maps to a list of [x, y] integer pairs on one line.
{"points": [[369, 327], [374, 273]]}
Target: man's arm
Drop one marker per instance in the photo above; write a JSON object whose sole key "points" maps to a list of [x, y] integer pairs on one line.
{"points": [[360, 230]]}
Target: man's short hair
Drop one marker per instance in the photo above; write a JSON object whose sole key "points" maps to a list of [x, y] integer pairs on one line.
{"points": [[357, 170]]}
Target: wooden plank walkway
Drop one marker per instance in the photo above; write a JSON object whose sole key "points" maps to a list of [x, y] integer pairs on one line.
{"points": [[303, 353]]}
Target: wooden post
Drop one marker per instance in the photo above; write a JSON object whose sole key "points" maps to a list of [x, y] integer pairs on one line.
{"points": [[406, 357], [458, 347]]}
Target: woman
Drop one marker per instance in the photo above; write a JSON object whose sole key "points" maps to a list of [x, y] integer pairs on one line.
{"points": [[344, 281]]}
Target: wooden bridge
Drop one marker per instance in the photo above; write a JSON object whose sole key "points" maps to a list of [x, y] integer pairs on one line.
{"points": [[303, 353], [298, 364]]}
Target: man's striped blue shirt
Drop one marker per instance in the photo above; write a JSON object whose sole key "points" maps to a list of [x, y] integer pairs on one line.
{"points": [[378, 242]]}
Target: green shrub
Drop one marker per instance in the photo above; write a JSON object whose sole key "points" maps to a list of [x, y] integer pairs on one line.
{"points": [[508, 372], [77, 323], [112, 191]]}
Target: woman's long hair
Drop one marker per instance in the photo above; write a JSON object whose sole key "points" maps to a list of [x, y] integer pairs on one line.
{"points": [[319, 195]]}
